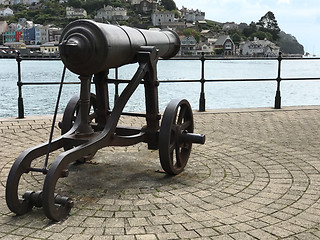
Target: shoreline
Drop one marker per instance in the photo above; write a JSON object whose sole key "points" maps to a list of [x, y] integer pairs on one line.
{"points": [[210, 111]]}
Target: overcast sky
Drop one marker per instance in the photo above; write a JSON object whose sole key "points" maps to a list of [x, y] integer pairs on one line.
{"points": [[301, 18]]}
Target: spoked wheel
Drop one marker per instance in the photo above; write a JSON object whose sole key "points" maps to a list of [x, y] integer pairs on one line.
{"points": [[174, 152], [71, 112], [69, 117]]}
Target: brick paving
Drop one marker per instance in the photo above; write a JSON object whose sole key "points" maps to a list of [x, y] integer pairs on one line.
{"points": [[256, 177]]}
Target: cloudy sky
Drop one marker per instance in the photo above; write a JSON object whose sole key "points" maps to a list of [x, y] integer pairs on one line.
{"points": [[301, 18]]}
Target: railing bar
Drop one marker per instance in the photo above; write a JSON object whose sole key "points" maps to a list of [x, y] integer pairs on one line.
{"points": [[185, 81], [47, 83], [299, 79]]}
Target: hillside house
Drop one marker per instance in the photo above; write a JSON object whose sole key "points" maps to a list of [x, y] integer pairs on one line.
{"points": [[110, 13], [192, 15], [225, 44], [30, 2], [5, 2], [146, 6], [263, 48], [188, 46], [5, 12], [161, 18], [229, 26], [135, 2], [176, 26], [72, 12]]}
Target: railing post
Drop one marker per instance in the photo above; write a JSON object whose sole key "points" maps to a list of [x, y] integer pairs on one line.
{"points": [[19, 84], [277, 104], [202, 101], [116, 87]]}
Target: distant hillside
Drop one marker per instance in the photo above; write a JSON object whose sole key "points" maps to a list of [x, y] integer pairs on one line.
{"points": [[289, 44]]}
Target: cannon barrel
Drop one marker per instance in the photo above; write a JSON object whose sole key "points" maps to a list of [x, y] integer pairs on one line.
{"points": [[87, 47]]}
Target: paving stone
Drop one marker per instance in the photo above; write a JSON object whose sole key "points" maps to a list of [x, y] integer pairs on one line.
{"points": [[256, 177]]}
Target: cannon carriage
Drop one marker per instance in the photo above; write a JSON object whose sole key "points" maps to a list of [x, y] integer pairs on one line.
{"points": [[90, 49]]}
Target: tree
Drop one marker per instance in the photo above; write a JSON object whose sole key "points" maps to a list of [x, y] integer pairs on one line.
{"points": [[169, 5], [191, 32], [74, 3], [262, 35], [268, 23], [236, 38], [251, 29]]}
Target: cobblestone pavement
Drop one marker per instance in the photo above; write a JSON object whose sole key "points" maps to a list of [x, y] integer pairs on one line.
{"points": [[256, 177]]}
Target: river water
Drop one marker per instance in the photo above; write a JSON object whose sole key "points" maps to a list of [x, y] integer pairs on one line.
{"points": [[40, 100]]}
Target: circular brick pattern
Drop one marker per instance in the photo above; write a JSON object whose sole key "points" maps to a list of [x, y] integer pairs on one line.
{"points": [[257, 177]]}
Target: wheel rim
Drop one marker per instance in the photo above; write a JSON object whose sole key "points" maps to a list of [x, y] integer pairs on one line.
{"points": [[174, 153]]}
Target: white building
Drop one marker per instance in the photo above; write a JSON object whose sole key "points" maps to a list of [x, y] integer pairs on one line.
{"points": [[160, 18], [30, 2], [5, 12], [191, 15], [258, 47], [76, 12], [111, 13], [5, 2], [134, 2]]}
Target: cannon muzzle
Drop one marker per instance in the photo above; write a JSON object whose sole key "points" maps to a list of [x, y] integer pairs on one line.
{"points": [[88, 47]]}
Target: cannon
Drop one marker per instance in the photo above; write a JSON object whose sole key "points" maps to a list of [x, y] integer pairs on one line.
{"points": [[90, 50]]}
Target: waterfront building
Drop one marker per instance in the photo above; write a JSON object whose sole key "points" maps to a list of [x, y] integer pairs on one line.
{"points": [[44, 34], [54, 34], [206, 49], [110, 13], [188, 46], [50, 47], [161, 18], [29, 36], [224, 45], [263, 48]]}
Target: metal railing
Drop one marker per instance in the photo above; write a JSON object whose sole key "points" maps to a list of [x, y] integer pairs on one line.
{"points": [[203, 58]]}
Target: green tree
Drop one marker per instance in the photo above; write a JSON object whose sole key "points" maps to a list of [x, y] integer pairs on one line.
{"points": [[169, 4], [191, 32], [236, 38], [251, 29], [74, 3], [268, 23], [263, 35]]}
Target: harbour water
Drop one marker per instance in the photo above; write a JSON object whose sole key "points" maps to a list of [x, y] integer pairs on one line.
{"points": [[40, 100]]}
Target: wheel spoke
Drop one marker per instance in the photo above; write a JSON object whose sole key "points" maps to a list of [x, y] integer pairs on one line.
{"points": [[186, 125], [172, 147], [182, 113], [92, 116]]}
